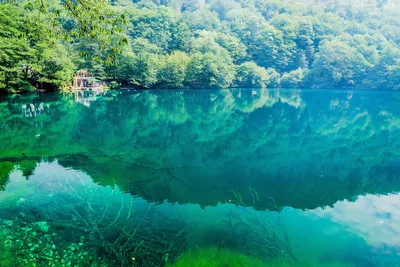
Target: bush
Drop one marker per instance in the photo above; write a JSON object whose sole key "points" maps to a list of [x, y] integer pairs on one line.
{"points": [[25, 86], [293, 79], [249, 75], [114, 85]]}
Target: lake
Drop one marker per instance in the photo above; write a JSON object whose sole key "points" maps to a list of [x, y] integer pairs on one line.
{"points": [[155, 178]]}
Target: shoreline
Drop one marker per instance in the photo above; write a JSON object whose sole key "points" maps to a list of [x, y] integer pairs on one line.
{"points": [[43, 91]]}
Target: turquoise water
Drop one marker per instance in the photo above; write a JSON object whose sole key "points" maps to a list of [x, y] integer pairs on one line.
{"points": [[142, 178]]}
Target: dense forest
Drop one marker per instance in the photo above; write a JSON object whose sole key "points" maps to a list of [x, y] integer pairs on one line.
{"points": [[201, 43]]}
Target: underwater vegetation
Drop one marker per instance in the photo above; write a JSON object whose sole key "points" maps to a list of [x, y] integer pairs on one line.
{"points": [[71, 223], [5, 255], [217, 257], [255, 235]]}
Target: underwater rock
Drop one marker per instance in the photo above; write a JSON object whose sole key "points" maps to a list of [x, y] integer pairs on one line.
{"points": [[8, 223], [40, 249], [42, 226]]}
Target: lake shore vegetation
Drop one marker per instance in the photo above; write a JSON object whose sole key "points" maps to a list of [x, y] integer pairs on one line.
{"points": [[200, 44]]}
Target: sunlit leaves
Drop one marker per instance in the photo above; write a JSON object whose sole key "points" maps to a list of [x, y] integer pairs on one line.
{"points": [[29, 55], [249, 75], [339, 64], [94, 19]]}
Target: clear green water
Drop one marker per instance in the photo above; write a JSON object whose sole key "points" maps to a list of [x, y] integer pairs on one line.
{"points": [[154, 178]]}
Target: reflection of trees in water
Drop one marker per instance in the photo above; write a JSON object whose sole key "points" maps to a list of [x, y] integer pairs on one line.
{"points": [[5, 170], [303, 149], [34, 110]]}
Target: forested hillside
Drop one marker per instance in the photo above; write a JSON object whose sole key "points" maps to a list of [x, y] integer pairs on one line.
{"points": [[202, 44]]}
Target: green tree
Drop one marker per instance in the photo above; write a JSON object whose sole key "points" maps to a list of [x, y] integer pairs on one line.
{"points": [[293, 79], [145, 71], [210, 70], [321, 44], [28, 54], [250, 75], [338, 65], [172, 70], [159, 25], [237, 50], [202, 19]]}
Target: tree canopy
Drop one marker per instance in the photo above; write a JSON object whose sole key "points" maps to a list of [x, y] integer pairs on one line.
{"points": [[196, 43]]}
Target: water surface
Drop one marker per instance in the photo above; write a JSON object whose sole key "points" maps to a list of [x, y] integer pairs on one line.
{"points": [[308, 178]]}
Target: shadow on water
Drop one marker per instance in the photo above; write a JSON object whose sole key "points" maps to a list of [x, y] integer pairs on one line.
{"points": [[164, 172]]}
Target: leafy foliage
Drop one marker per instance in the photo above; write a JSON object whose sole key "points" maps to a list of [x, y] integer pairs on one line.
{"points": [[28, 55], [250, 75], [260, 43], [172, 44]]}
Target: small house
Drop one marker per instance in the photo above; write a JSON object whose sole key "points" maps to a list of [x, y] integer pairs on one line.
{"points": [[83, 80]]}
